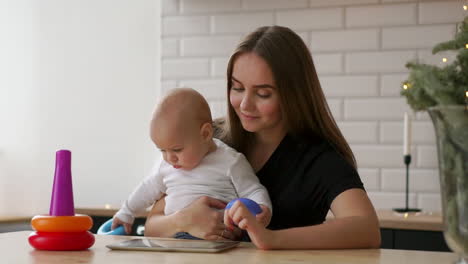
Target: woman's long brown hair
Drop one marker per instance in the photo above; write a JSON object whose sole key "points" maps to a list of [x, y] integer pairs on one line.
{"points": [[302, 101]]}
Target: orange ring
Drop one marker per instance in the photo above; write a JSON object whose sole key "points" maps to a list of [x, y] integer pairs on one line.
{"points": [[48, 223]]}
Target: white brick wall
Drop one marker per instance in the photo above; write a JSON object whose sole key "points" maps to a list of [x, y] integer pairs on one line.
{"points": [[416, 36], [430, 13], [342, 40], [328, 63], [349, 86], [309, 19], [378, 61], [185, 25], [388, 82], [359, 48], [240, 23], [274, 4]]}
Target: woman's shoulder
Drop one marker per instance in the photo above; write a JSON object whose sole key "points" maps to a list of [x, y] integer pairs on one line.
{"points": [[316, 152], [319, 157]]}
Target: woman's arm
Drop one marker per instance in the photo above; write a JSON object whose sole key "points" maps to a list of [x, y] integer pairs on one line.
{"points": [[159, 225], [200, 219], [355, 226]]}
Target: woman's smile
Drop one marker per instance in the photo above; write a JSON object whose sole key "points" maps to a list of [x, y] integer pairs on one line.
{"points": [[248, 116]]}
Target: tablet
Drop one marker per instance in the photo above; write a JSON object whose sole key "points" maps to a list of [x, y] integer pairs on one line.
{"points": [[172, 244]]}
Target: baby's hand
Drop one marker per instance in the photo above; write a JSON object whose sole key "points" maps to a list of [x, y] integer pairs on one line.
{"points": [[265, 216], [117, 222], [239, 215]]}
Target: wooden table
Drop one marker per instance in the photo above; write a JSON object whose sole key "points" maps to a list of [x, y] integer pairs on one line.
{"points": [[15, 248]]}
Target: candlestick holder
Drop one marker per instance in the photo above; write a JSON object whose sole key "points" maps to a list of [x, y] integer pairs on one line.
{"points": [[406, 209]]}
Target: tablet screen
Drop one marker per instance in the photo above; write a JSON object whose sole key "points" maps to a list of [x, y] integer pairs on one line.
{"points": [[161, 244]]}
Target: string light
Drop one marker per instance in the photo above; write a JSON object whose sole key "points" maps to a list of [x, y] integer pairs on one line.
{"points": [[466, 46], [444, 60], [465, 7], [466, 100], [406, 86]]}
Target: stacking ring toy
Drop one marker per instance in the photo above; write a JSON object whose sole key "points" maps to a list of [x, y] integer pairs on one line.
{"points": [[105, 229], [49, 223], [62, 229], [253, 207], [61, 240]]}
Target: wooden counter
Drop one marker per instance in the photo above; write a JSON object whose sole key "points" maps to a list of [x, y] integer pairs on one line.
{"points": [[12, 219], [427, 221], [99, 211], [16, 249]]}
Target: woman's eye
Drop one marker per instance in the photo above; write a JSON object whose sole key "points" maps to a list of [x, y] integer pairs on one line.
{"points": [[264, 94], [237, 89]]}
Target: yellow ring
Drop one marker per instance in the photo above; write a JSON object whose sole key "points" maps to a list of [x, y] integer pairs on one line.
{"points": [[48, 223]]}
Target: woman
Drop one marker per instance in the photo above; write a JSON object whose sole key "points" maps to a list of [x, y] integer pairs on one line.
{"points": [[278, 117]]}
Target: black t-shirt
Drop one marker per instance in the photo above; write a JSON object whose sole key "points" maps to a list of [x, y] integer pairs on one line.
{"points": [[303, 177]]}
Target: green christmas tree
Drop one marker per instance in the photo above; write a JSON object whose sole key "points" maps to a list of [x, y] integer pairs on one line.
{"points": [[430, 85]]}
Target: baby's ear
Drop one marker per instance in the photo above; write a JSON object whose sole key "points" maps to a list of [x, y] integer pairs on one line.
{"points": [[206, 131]]}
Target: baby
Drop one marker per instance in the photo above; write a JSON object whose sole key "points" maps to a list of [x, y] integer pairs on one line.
{"points": [[194, 163]]}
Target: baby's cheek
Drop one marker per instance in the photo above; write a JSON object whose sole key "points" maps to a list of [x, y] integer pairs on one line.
{"points": [[194, 160]]}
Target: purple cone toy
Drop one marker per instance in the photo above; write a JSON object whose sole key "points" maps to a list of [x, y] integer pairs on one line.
{"points": [[61, 203]]}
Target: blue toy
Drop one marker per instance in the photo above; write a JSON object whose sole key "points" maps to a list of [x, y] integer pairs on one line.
{"points": [[253, 207], [105, 229]]}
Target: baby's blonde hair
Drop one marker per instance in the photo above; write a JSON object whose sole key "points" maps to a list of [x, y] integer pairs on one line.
{"points": [[183, 105]]}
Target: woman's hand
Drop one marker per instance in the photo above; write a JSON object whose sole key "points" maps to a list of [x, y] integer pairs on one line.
{"points": [[202, 219], [239, 215]]}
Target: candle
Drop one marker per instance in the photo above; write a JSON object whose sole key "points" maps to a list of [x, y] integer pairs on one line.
{"points": [[406, 135]]}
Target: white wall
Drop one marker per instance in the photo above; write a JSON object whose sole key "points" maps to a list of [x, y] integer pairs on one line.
{"points": [[359, 47], [79, 75]]}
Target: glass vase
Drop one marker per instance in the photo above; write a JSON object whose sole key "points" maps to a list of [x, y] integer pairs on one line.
{"points": [[451, 127]]}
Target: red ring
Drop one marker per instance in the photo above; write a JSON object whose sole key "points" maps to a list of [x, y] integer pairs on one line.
{"points": [[61, 240]]}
